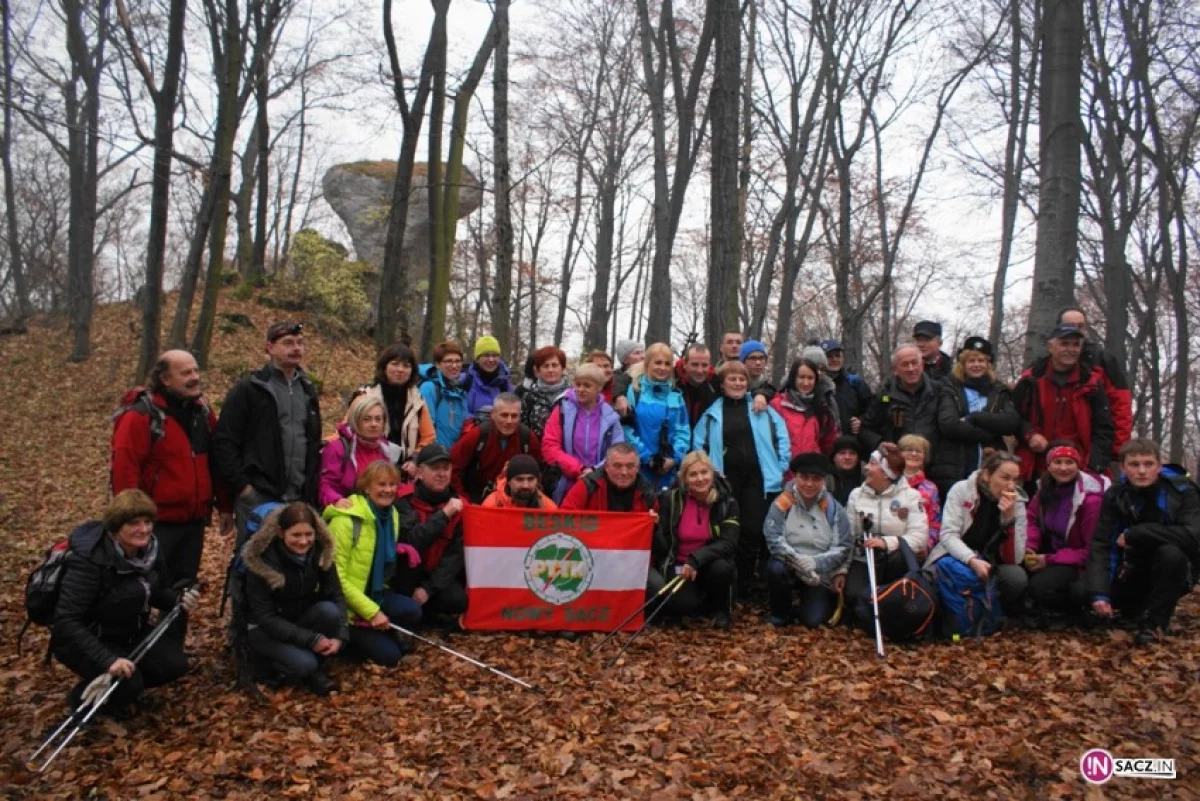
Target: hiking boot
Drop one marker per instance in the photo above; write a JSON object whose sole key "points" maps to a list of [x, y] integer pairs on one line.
{"points": [[1150, 629], [321, 683], [569, 636], [721, 619], [778, 622]]}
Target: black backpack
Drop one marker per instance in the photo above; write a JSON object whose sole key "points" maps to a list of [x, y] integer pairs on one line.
{"points": [[907, 606]]}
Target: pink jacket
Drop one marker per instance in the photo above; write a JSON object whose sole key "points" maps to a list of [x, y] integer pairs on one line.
{"points": [[1085, 513], [808, 433], [339, 471]]}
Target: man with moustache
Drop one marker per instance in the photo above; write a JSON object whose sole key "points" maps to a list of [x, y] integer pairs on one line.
{"points": [[160, 445]]}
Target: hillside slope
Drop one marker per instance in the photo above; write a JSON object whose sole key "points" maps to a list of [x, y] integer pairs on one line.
{"points": [[752, 712]]}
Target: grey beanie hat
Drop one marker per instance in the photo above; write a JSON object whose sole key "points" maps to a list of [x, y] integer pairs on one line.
{"points": [[816, 355], [626, 347]]}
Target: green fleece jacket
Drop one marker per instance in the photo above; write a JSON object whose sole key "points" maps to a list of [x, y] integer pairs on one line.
{"points": [[353, 560]]}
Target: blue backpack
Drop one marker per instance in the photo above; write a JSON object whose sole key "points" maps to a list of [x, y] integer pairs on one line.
{"points": [[970, 607]]}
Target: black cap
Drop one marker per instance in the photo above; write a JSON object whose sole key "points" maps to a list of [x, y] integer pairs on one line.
{"points": [[281, 330], [927, 328], [977, 344], [1064, 330], [433, 453], [522, 465], [811, 463]]}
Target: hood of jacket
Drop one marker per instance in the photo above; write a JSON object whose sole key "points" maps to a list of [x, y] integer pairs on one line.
{"points": [[256, 547]]}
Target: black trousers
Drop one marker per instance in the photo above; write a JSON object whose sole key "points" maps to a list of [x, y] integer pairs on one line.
{"points": [[162, 664], [709, 592], [889, 567], [813, 605], [1153, 584], [451, 601], [753, 505], [180, 546], [1058, 588]]}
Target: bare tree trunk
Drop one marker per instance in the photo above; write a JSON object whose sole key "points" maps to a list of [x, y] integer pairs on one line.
{"points": [[24, 308], [391, 313], [1017, 137], [229, 71], [1059, 191], [660, 49], [596, 335], [165, 97], [725, 241], [257, 267], [443, 212], [503, 179], [243, 204]]}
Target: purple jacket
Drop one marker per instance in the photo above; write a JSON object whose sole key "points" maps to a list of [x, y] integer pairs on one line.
{"points": [[481, 393], [339, 471], [1085, 513]]}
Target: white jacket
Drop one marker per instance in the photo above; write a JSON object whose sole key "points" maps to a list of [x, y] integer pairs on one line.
{"points": [[958, 513], [897, 512]]}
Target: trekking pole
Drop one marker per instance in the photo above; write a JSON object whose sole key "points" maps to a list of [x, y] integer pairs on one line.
{"points": [[464, 657], [645, 623], [86, 711], [665, 589], [867, 525]]}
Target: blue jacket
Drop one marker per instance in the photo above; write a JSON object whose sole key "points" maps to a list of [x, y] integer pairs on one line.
{"points": [[447, 406], [659, 426], [771, 442]]}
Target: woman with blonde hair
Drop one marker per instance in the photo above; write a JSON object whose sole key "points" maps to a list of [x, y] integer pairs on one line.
{"points": [[916, 452], [697, 538], [361, 440], [658, 424]]}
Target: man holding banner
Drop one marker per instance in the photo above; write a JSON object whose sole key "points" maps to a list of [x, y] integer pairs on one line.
{"points": [[583, 569]]}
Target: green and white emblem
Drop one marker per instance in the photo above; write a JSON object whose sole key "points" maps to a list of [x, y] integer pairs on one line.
{"points": [[559, 568]]}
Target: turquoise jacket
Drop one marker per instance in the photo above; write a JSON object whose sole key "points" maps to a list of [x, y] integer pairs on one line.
{"points": [[771, 442]]}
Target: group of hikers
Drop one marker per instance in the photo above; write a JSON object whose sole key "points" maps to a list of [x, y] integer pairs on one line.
{"points": [[1039, 491]]}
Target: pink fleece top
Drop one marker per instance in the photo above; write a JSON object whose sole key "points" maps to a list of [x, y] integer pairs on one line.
{"points": [[693, 529]]}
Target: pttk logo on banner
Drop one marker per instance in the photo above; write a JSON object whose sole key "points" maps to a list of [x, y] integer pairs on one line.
{"points": [[575, 571]]}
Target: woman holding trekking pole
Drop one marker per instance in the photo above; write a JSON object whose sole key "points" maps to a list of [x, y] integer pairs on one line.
{"points": [[113, 577]]}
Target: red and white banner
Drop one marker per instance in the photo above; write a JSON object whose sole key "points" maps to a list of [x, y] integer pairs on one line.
{"points": [[559, 570]]}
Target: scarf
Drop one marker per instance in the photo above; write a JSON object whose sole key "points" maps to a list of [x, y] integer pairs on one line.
{"points": [[802, 402], [384, 560], [395, 398], [140, 565], [553, 390]]}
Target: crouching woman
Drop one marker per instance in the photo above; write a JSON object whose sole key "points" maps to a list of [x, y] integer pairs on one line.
{"points": [[366, 535], [295, 610], [113, 577], [697, 538]]}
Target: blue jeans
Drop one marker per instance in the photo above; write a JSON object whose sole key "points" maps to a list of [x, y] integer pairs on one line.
{"points": [[816, 604], [293, 661], [383, 647]]}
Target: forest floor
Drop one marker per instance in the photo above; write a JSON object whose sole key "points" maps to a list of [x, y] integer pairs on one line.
{"points": [[750, 712]]}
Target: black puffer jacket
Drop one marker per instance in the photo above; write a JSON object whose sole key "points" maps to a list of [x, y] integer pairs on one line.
{"points": [[248, 444], [279, 589], [962, 433], [723, 527], [103, 602]]}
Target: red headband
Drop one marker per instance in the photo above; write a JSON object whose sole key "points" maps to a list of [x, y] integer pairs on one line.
{"points": [[1063, 452]]}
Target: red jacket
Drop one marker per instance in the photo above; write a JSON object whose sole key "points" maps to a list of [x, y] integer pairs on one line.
{"points": [[590, 493], [170, 468], [1078, 410], [476, 468]]}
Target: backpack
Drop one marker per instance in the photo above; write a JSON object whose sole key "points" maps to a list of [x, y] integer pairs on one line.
{"points": [[907, 606], [41, 590], [970, 607]]}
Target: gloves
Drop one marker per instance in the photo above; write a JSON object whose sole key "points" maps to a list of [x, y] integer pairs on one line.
{"points": [[96, 690], [806, 569], [190, 600], [408, 552]]}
